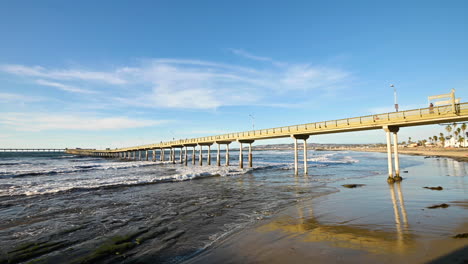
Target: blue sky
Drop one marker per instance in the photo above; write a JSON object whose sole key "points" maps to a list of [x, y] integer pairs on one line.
{"points": [[122, 73]]}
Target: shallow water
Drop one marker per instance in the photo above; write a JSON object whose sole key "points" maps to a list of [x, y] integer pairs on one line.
{"points": [[161, 211]]}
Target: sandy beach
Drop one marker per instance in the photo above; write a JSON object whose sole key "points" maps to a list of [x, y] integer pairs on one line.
{"points": [[375, 222], [460, 154]]}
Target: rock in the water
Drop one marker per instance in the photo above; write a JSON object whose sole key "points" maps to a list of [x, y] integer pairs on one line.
{"points": [[352, 185], [462, 235], [444, 205], [438, 188]]}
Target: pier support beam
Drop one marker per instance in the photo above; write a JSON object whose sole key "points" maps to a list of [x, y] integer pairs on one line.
{"points": [[296, 158], [396, 158], [209, 155], [250, 152], [218, 156], [227, 154], [394, 130], [186, 156], [227, 151], [241, 158], [193, 155], [250, 155], [146, 156], [180, 155], [200, 157], [208, 144], [296, 170], [163, 154], [306, 170], [154, 155]]}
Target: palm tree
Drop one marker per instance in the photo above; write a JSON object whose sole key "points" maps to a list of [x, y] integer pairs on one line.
{"points": [[448, 128], [434, 138], [442, 140], [461, 140], [424, 142], [463, 128], [454, 125], [409, 140]]}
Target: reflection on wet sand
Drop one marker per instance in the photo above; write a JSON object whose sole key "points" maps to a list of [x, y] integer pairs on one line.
{"points": [[341, 233]]}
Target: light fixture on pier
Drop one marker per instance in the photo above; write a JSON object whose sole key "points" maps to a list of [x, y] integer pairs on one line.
{"points": [[395, 97]]}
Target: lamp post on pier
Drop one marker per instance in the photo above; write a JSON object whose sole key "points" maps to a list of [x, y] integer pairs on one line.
{"points": [[395, 97]]}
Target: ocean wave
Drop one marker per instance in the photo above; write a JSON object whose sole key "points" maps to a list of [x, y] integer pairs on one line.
{"points": [[75, 168], [42, 186], [330, 159]]}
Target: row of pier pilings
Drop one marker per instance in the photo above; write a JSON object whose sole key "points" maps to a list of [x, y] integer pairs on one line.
{"points": [[184, 153]]}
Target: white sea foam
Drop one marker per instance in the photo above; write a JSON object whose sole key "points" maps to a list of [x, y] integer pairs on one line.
{"points": [[32, 177], [332, 158]]}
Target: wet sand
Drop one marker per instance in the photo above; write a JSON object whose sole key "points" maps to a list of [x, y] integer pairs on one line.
{"points": [[373, 223]]}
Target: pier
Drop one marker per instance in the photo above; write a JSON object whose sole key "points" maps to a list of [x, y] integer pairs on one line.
{"points": [[31, 150], [389, 123]]}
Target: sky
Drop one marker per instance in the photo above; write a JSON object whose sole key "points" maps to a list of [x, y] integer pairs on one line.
{"points": [[122, 73]]}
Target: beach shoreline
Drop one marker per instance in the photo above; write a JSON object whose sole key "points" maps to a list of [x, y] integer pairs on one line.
{"points": [[324, 229], [459, 154]]}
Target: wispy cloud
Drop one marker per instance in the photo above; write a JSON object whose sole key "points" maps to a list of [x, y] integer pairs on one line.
{"points": [[250, 56], [19, 98], [48, 121], [68, 74], [193, 84], [64, 87]]}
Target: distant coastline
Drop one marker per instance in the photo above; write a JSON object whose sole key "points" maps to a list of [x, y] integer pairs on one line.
{"points": [[459, 154]]}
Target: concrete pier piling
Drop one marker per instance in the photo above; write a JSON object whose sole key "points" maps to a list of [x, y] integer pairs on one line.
{"points": [[227, 154], [200, 157], [241, 158], [296, 169], [218, 156], [296, 158], [193, 155], [173, 156], [241, 164], [388, 130], [250, 155], [181, 160], [306, 170], [209, 155]]}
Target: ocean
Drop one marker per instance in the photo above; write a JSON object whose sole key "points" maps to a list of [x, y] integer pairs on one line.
{"points": [[57, 207]]}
